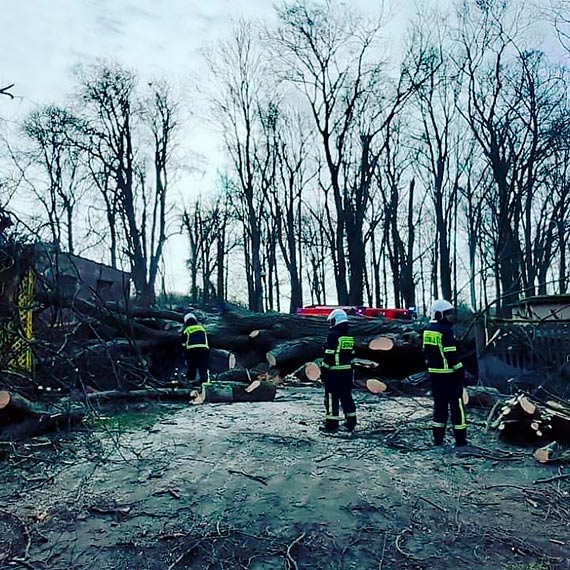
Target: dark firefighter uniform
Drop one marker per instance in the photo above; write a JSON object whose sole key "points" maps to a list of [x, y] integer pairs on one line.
{"points": [[197, 352], [446, 374], [337, 376]]}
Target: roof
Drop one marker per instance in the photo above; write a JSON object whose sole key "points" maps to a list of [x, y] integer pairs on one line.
{"points": [[543, 300]]}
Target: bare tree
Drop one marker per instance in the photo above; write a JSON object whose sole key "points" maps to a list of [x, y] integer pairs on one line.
{"points": [[116, 119], [238, 69], [328, 52], [51, 131]]}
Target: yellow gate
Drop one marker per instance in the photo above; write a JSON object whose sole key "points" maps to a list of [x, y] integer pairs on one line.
{"points": [[19, 334]]}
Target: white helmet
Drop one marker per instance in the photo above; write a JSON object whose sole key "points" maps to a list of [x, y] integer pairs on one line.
{"points": [[440, 306], [190, 317], [336, 317]]}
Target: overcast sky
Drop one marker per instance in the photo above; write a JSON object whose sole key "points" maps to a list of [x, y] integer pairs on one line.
{"points": [[42, 40]]}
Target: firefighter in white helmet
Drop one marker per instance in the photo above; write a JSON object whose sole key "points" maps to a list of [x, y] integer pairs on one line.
{"points": [[196, 350], [337, 373], [446, 373]]}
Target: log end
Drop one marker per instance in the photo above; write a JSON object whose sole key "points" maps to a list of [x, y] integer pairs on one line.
{"points": [[375, 386], [253, 386], [381, 343], [271, 359], [4, 399], [312, 371]]}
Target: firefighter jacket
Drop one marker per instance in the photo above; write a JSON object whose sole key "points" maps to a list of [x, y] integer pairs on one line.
{"points": [[339, 349], [440, 348], [195, 337]]}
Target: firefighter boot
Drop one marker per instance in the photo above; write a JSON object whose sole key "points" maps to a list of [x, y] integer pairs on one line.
{"points": [[350, 422], [438, 435], [460, 437], [330, 426]]}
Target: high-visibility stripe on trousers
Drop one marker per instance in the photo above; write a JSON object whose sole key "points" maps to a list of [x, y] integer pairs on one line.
{"points": [[447, 400], [338, 392]]}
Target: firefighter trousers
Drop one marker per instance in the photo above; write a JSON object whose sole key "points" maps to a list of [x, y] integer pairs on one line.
{"points": [[338, 392], [198, 364], [447, 390]]}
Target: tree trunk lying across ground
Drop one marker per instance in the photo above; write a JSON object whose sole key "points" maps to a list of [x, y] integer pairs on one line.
{"points": [[21, 419], [150, 339], [257, 391]]}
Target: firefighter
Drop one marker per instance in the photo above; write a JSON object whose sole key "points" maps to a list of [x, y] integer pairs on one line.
{"points": [[196, 350], [446, 373], [337, 373]]}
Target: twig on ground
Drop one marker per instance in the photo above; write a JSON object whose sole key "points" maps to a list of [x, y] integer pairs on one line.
{"points": [[432, 504], [259, 479], [289, 560], [381, 561], [550, 479]]}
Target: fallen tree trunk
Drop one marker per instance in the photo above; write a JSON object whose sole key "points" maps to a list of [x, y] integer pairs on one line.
{"points": [[21, 419], [290, 355], [221, 360], [161, 394], [248, 375], [482, 397], [32, 427], [308, 373], [12, 404], [228, 392]]}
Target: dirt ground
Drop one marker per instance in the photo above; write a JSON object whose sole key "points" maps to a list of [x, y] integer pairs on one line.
{"points": [[257, 486]]}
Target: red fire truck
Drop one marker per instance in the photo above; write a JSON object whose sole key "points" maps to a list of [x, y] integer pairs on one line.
{"points": [[370, 312]]}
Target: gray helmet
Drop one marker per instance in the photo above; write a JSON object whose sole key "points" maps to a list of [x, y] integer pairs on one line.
{"points": [[440, 306], [190, 318], [336, 317]]}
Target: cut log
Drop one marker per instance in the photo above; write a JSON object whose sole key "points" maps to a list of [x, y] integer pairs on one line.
{"points": [[246, 376], [381, 343], [4, 399], [364, 368], [372, 385], [483, 397], [288, 356], [522, 419], [218, 392], [161, 394], [308, 373], [32, 427], [253, 386], [221, 360], [14, 407], [20, 418], [548, 453], [312, 371], [526, 405], [375, 386]]}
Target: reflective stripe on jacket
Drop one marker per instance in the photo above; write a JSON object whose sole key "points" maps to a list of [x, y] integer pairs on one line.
{"points": [[339, 351], [440, 348], [195, 337]]}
